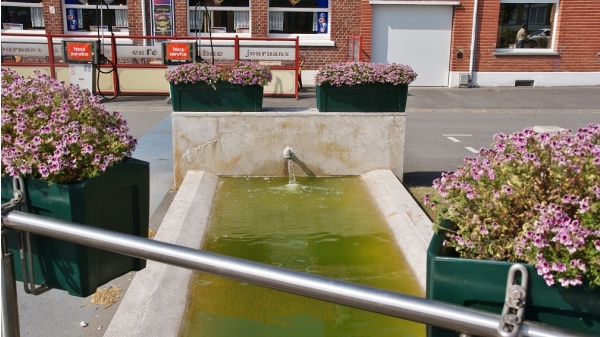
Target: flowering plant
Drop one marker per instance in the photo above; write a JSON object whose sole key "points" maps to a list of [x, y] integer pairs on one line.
{"points": [[354, 73], [243, 73], [56, 132], [532, 197], [193, 73]]}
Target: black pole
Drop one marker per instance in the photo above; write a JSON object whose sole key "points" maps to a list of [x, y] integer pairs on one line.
{"points": [[198, 40]]}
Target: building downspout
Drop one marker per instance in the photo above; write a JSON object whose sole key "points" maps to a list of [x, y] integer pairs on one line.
{"points": [[144, 21], [473, 38]]}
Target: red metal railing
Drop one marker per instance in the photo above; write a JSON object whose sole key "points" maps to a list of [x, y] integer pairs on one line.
{"points": [[354, 48], [44, 50]]}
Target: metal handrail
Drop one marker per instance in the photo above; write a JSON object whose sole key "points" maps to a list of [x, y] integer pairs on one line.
{"points": [[453, 317]]}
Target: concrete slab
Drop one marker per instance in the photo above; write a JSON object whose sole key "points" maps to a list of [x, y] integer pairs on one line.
{"points": [[548, 128], [156, 298], [410, 225]]}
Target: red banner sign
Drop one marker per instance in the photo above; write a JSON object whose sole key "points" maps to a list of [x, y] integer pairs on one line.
{"points": [[79, 51], [178, 52]]}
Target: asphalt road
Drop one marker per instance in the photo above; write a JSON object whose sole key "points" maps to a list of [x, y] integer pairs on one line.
{"points": [[439, 141]]}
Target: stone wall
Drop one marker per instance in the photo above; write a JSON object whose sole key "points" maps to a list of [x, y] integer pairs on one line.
{"points": [[252, 144]]}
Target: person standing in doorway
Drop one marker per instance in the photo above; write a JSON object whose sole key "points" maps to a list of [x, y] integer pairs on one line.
{"points": [[521, 37]]}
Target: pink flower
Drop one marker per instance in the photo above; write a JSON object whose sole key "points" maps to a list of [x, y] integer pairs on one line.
{"points": [[43, 124], [355, 73]]}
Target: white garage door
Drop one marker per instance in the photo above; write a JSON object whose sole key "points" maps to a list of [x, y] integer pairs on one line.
{"points": [[418, 36]]}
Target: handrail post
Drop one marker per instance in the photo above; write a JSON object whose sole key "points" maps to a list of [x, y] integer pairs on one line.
{"points": [[51, 56], [236, 49], [114, 56], [297, 47], [10, 307]]}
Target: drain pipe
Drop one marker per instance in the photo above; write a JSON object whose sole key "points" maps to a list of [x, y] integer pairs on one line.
{"points": [[473, 38], [143, 3]]}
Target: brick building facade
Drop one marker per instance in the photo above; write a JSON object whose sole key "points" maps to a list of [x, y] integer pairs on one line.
{"points": [[573, 59], [570, 57]]}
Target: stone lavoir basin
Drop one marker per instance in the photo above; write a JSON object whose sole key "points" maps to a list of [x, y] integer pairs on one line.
{"points": [[384, 255], [388, 250], [324, 226]]}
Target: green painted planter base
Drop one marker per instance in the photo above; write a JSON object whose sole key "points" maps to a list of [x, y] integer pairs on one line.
{"points": [[226, 97], [481, 284], [117, 200], [377, 97]]}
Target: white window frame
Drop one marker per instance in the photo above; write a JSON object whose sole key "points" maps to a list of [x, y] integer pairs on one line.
{"points": [[307, 39], [191, 10], [79, 7], [533, 51], [24, 4]]}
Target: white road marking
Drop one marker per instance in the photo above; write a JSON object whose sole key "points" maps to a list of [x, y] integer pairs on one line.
{"points": [[452, 137]]}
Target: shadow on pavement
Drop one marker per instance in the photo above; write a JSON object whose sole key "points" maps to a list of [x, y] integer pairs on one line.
{"points": [[414, 179]]}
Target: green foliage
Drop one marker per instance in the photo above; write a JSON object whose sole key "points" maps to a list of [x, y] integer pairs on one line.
{"points": [[506, 37]]}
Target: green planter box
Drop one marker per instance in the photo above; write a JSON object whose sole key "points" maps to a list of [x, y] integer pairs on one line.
{"points": [[227, 97], [118, 200], [481, 284], [377, 97]]}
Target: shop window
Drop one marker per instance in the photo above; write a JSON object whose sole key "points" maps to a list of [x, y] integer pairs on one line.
{"points": [[95, 15], [309, 18], [219, 16], [536, 18], [22, 15]]}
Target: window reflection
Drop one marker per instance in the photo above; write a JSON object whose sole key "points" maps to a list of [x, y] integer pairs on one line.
{"points": [[94, 15], [298, 17], [537, 19], [219, 16], [22, 15]]}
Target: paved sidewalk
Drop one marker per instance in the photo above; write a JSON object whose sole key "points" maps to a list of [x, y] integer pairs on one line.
{"points": [[57, 314], [508, 99], [505, 99]]}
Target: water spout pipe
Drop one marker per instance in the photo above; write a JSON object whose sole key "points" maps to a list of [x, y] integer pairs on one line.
{"points": [[288, 152]]}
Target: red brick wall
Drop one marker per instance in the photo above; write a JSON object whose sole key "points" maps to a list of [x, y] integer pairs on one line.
{"points": [[347, 17], [134, 17], [578, 37], [343, 22], [461, 36], [577, 40], [53, 22], [259, 18], [366, 30]]}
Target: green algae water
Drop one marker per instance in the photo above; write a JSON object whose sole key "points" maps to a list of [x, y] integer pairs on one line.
{"points": [[323, 226]]}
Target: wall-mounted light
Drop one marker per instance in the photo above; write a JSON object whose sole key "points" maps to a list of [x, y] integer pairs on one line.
{"points": [[459, 54]]}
